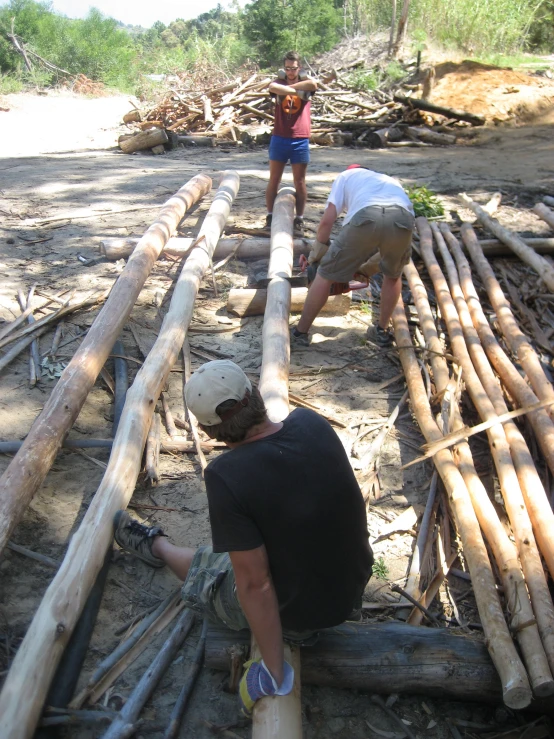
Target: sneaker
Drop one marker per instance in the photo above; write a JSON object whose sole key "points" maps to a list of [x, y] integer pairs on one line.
{"points": [[268, 219], [136, 538], [379, 336], [298, 224], [297, 338]]}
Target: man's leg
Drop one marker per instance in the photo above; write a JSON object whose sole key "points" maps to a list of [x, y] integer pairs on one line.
{"points": [[299, 176], [315, 300], [178, 559], [390, 292], [276, 170]]}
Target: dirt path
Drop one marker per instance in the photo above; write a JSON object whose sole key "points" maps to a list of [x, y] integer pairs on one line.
{"points": [[62, 190]]}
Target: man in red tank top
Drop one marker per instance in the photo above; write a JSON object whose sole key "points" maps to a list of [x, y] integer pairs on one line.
{"points": [[291, 133]]}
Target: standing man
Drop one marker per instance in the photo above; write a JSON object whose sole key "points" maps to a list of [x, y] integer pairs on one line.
{"points": [[291, 134], [290, 550], [376, 236]]}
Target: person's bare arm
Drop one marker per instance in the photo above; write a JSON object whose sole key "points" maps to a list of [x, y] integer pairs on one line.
{"points": [[258, 600], [276, 88], [326, 224], [308, 85]]}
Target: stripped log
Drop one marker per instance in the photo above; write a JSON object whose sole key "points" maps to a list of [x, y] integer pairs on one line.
{"points": [[252, 302], [507, 445], [515, 685], [114, 248], [385, 658], [543, 268], [142, 140], [495, 247], [276, 717], [152, 453], [27, 682], [515, 338], [505, 553], [547, 214], [31, 464]]}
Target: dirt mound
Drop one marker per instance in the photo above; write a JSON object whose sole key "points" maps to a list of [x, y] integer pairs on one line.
{"points": [[498, 94]]}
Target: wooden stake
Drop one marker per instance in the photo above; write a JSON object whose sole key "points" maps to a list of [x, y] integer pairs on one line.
{"points": [[517, 245], [515, 685], [54, 620]]}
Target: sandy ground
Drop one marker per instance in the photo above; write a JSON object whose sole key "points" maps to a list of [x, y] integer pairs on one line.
{"points": [[64, 186]]}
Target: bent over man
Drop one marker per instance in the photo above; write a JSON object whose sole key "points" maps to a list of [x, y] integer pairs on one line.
{"points": [[376, 235], [291, 134], [290, 552]]}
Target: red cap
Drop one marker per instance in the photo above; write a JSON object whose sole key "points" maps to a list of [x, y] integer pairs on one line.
{"points": [[353, 166]]}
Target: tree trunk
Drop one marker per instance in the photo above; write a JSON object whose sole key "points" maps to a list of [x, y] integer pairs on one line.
{"points": [[248, 302], [115, 248], [31, 464], [431, 137], [25, 688], [402, 23], [385, 658], [476, 120], [142, 140]]}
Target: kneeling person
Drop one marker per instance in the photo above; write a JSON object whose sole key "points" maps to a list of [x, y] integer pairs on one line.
{"points": [[290, 552]]}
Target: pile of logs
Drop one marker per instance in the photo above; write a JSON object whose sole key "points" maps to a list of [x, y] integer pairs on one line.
{"points": [[242, 111]]}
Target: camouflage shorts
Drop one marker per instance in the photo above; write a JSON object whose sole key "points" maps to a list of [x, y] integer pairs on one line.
{"points": [[210, 590]]}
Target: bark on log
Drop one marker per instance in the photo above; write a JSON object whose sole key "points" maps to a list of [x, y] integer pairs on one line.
{"points": [[431, 137], [515, 685], [27, 682], [547, 214], [278, 717], [31, 464], [133, 116], [142, 140], [515, 338], [248, 302], [515, 591], [207, 106], [385, 658], [115, 248], [476, 120], [517, 245], [507, 445]]}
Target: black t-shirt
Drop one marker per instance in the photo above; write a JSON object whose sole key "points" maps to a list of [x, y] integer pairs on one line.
{"points": [[295, 492]]}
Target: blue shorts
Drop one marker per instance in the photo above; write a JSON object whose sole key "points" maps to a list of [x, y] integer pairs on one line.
{"points": [[282, 149]]}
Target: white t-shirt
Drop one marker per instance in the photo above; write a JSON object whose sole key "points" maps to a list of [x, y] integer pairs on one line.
{"points": [[357, 188]]}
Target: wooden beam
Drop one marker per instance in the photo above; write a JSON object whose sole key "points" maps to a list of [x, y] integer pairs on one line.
{"points": [[252, 302], [27, 682], [30, 465]]}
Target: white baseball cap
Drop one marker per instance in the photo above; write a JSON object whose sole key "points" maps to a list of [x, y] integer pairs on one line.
{"points": [[213, 384]]}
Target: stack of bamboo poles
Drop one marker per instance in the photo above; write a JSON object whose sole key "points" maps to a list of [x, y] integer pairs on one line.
{"points": [[528, 611]]}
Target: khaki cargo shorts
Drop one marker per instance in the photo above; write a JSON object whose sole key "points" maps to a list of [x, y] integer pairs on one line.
{"points": [[210, 590], [384, 229]]}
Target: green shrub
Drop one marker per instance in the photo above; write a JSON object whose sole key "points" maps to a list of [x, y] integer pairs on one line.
{"points": [[10, 84], [425, 202]]}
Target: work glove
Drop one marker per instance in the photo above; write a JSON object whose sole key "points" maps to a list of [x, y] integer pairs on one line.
{"points": [[304, 94], [257, 682], [317, 252]]}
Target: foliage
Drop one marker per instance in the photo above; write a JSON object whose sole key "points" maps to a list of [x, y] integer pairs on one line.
{"points": [[306, 26], [425, 202], [9, 84], [380, 569]]}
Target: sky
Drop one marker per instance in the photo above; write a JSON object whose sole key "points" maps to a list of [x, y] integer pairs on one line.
{"points": [[138, 12]]}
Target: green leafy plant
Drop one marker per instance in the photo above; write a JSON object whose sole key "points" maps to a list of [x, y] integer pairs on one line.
{"points": [[363, 80], [380, 569], [425, 202]]}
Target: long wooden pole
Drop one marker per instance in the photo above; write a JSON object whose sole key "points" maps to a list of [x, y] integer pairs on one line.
{"points": [[482, 385], [546, 213], [515, 592], [516, 244], [515, 338], [27, 682], [278, 717], [515, 685], [30, 465]]}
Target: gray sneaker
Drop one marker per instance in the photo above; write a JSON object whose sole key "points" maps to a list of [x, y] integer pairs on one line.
{"points": [[379, 336], [298, 225], [298, 339], [136, 538]]}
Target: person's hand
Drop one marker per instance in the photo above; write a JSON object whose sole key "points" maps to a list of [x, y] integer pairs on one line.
{"points": [[303, 262], [317, 252], [257, 682]]}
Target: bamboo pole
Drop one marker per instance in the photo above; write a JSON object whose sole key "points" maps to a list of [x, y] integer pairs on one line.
{"points": [[515, 685], [517, 245], [276, 717], [515, 338], [518, 605], [30, 466], [121, 248], [27, 682], [481, 385]]}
